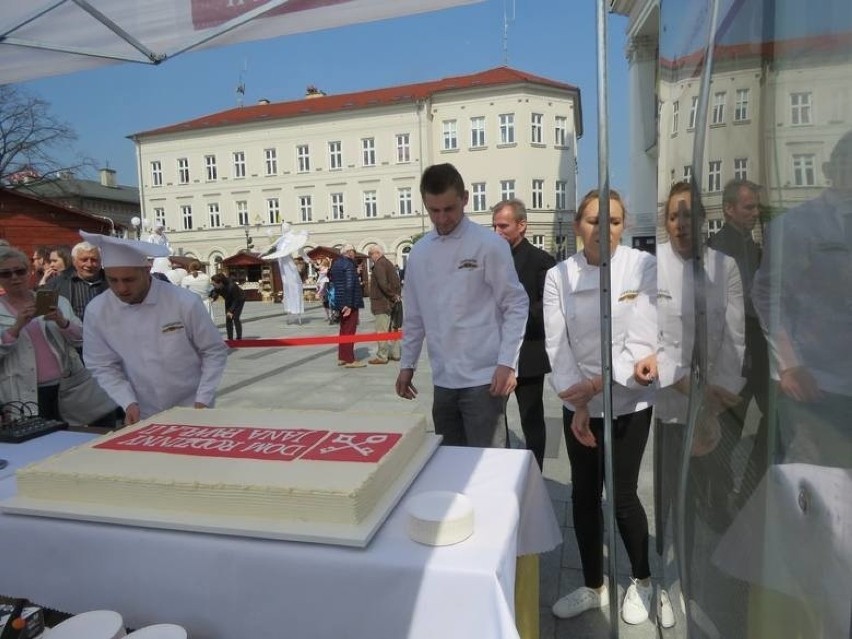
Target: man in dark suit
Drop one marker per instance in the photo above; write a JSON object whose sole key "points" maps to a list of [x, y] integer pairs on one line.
{"points": [[741, 206], [509, 219]]}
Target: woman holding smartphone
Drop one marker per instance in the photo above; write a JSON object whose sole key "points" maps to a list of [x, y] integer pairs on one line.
{"points": [[572, 328], [34, 349]]}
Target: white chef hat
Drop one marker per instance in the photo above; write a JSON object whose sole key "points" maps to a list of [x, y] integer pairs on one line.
{"points": [[117, 252], [161, 265]]}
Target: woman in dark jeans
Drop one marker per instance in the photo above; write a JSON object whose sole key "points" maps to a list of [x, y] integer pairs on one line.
{"points": [[234, 298]]}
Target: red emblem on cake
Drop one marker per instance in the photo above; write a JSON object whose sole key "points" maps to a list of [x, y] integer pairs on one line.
{"points": [[353, 447]]}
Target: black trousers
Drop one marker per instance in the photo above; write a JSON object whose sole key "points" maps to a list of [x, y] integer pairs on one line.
{"points": [[630, 435], [234, 322], [529, 394]]}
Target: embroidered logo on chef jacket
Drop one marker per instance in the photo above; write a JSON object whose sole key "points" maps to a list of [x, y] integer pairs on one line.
{"points": [[172, 326], [627, 296], [470, 262]]}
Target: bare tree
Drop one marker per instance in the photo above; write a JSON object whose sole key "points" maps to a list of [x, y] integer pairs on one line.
{"points": [[31, 138]]}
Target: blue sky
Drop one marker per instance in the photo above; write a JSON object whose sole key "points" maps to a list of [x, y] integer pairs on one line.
{"points": [[552, 38]]}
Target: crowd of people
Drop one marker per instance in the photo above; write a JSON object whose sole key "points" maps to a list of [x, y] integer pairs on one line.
{"points": [[497, 315]]}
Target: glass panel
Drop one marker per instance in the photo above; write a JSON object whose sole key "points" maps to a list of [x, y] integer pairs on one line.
{"points": [[753, 443]]}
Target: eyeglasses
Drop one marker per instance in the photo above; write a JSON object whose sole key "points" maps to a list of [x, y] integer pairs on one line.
{"points": [[20, 272]]}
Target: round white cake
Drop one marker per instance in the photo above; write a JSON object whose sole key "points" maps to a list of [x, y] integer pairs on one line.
{"points": [[160, 631], [97, 624], [439, 518]]}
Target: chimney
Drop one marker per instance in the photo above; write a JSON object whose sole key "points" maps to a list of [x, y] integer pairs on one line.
{"points": [[108, 178], [313, 92]]}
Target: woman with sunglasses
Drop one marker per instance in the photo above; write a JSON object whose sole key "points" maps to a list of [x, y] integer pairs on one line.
{"points": [[34, 350]]}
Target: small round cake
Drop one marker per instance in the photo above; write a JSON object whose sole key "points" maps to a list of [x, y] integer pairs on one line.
{"points": [[97, 624], [160, 631], [439, 518]]}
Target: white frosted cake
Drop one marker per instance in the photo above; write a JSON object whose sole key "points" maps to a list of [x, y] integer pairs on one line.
{"points": [[308, 466]]}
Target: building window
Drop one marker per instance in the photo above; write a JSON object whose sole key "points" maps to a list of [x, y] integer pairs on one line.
{"points": [[800, 108], [160, 216], [687, 173], [368, 152], [479, 200], [477, 132], [451, 135], [306, 208], [273, 210], [186, 216], [741, 108], [213, 215], [693, 110], [403, 148], [740, 168], [242, 212], [183, 171], [371, 208], [337, 206], [507, 189], [271, 161], [335, 155], [303, 158], [675, 116], [239, 164], [538, 194], [404, 199], [561, 194], [210, 166], [535, 128], [714, 226], [718, 116], [156, 173], [714, 175], [538, 241], [803, 169], [507, 128], [561, 131]]}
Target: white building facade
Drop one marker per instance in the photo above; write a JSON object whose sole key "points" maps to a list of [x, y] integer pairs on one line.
{"points": [[346, 168]]}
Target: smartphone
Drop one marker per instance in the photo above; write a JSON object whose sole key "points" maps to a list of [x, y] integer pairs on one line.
{"points": [[46, 301]]}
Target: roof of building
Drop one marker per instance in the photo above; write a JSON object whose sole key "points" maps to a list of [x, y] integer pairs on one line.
{"points": [[64, 187], [317, 103], [17, 192]]}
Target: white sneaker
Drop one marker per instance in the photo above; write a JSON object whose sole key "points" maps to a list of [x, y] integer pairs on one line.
{"points": [[665, 614], [581, 600], [637, 602]]}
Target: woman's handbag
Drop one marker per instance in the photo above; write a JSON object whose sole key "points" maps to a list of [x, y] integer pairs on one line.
{"points": [[81, 399], [396, 316]]}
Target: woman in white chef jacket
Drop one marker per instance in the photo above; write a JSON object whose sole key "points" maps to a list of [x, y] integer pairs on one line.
{"points": [[572, 326], [672, 366]]}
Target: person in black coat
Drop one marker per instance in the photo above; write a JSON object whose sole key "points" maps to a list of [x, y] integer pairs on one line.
{"points": [[509, 219], [348, 299], [234, 299]]}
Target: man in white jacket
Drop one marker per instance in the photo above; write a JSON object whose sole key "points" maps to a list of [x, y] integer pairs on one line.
{"points": [[463, 296], [150, 345]]}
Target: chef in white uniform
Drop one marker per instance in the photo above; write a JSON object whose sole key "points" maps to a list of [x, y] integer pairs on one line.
{"points": [[572, 322], [150, 345]]}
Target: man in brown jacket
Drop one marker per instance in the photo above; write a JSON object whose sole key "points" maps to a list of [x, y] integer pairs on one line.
{"points": [[385, 290]]}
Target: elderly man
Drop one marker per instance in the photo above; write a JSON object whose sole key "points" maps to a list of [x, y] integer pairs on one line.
{"points": [[348, 298], [150, 345], [84, 280], [462, 295], [509, 219], [385, 289]]}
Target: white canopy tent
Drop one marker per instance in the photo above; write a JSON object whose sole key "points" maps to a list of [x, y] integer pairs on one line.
{"points": [[50, 37]]}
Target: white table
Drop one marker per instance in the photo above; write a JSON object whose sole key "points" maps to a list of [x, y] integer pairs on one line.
{"points": [[230, 587]]}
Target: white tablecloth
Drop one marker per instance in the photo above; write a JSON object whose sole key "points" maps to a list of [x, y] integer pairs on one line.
{"points": [[232, 587]]}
